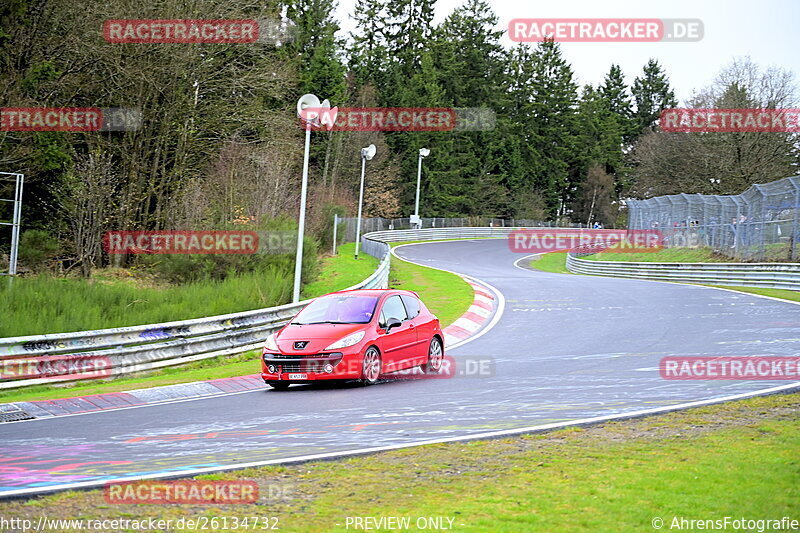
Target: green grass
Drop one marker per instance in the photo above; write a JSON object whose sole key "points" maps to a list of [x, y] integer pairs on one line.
{"points": [[665, 255], [447, 295], [555, 262], [48, 305], [214, 368], [341, 271], [783, 294], [736, 459]]}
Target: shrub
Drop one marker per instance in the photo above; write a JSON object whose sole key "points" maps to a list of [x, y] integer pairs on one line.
{"points": [[36, 248]]}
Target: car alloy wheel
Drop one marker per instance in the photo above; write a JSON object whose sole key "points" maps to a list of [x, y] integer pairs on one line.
{"points": [[435, 357], [371, 368]]}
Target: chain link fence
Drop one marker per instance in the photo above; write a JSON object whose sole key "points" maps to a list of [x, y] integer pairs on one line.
{"points": [[760, 224]]}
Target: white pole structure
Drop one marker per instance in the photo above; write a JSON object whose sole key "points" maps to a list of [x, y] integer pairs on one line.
{"points": [[312, 112], [366, 154], [423, 152], [301, 226], [16, 218], [335, 227]]}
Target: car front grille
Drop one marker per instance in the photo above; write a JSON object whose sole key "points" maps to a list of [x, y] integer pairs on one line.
{"points": [[303, 363]]}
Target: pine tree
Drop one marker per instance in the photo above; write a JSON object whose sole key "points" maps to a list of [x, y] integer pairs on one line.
{"points": [[367, 52], [617, 99], [315, 48], [652, 94], [553, 110]]}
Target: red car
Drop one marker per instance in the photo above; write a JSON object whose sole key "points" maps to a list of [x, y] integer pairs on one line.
{"points": [[359, 334]]}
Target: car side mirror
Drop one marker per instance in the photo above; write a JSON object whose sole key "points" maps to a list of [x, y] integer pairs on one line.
{"points": [[392, 323]]}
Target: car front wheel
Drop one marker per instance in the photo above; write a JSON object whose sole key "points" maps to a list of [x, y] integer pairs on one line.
{"points": [[278, 385]]}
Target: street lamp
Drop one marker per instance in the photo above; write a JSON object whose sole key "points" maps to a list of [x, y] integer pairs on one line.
{"points": [[313, 113], [415, 220], [366, 155]]}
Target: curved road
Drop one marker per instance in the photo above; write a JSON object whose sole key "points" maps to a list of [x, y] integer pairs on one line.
{"points": [[565, 348]]}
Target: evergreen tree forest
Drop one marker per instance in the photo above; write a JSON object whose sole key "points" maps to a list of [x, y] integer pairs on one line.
{"points": [[220, 142]]}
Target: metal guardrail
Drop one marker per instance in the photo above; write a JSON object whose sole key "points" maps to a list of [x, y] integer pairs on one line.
{"points": [[435, 234], [39, 359], [765, 275]]}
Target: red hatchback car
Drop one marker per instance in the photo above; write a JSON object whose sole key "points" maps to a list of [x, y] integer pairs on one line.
{"points": [[359, 334]]}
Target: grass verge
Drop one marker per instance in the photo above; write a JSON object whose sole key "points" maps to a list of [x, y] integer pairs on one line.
{"points": [[736, 459], [555, 262], [665, 255], [447, 295], [783, 294], [214, 368], [40, 305], [338, 272], [341, 271]]}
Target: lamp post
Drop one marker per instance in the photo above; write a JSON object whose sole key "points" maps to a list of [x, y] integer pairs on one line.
{"points": [[415, 220], [312, 113], [366, 154]]}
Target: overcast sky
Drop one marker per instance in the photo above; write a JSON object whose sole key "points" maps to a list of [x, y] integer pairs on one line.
{"points": [[767, 30]]}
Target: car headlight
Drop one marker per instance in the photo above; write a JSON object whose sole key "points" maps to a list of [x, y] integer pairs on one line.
{"points": [[271, 344], [353, 338]]}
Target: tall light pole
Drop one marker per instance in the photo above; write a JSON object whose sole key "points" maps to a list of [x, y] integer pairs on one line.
{"points": [[415, 220], [313, 113], [366, 154]]}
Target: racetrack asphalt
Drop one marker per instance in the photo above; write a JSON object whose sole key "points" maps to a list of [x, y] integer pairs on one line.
{"points": [[565, 348]]}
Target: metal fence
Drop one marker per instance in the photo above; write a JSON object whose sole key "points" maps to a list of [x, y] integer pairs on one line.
{"points": [[11, 214], [386, 224], [760, 224]]}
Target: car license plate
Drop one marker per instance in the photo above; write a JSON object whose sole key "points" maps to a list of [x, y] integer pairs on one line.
{"points": [[298, 376]]}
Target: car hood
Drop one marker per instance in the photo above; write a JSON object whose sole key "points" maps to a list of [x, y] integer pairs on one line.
{"points": [[319, 336]]}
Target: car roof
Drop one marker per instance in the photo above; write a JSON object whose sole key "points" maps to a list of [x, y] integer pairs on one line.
{"points": [[375, 292]]}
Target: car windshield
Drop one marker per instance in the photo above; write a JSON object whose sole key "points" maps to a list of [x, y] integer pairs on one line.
{"points": [[339, 309]]}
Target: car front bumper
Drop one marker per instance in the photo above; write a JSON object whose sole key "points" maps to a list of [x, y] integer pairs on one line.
{"points": [[302, 368]]}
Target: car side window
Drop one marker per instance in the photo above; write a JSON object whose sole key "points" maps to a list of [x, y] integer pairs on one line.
{"points": [[393, 308], [412, 305]]}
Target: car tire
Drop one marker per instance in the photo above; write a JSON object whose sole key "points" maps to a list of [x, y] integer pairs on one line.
{"points": [[279, 385], [371, 366], [435, 357]]}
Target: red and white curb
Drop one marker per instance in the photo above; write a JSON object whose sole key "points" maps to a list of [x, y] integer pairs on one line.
{"points": [[479, 313]]}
